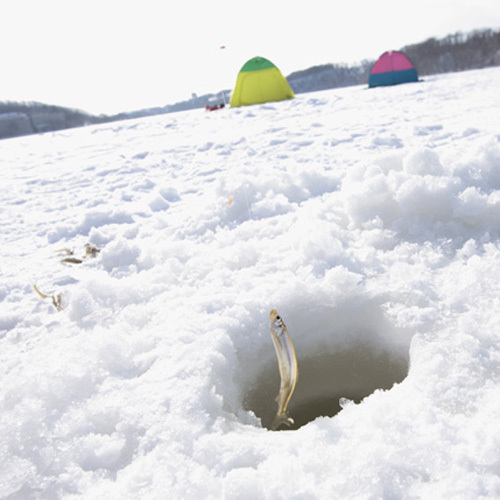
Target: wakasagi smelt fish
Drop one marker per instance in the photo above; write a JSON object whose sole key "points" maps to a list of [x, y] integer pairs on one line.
{"points": [[287, 363], [56, 299]]}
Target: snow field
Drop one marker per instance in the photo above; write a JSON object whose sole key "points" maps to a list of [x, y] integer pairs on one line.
{"points": [[369, 219]]}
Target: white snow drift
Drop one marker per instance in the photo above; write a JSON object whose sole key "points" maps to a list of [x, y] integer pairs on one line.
{"points": [[368, 218]]}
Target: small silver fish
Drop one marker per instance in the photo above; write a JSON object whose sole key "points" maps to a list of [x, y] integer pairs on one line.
{"points": [[287, 362], [91, 250], [71, 260], [56, 299]]}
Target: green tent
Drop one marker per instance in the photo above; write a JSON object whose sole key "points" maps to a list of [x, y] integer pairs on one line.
{"points": [[259, 81]]}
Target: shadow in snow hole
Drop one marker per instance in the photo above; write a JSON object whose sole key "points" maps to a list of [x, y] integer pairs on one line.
{"points": [[353, 373]]}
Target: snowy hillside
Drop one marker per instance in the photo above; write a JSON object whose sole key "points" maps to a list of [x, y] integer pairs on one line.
{"points": [[368, 218]]}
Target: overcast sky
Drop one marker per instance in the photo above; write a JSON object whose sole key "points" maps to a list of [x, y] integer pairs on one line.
{"points": [[106, 56]]}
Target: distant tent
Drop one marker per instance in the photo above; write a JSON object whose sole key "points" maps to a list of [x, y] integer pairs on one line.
{"points": [[259, 81], [391, 68]]}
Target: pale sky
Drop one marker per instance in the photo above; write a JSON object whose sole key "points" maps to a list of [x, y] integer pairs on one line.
{"points": [[107, 56]]}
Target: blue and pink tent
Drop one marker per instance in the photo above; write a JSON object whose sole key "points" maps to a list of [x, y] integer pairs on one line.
{"points": [[391, 68]]}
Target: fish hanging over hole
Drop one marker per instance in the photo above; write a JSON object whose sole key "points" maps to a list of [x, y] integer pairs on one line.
{"points": [[287, 363]]}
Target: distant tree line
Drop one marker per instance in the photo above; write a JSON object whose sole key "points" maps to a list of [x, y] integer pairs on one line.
{"points": [[23, 118], [328, 76], [71, 117], [456, 52]]}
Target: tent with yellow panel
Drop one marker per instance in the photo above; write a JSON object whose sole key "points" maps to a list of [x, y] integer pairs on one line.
{"points": [[259, 81]]}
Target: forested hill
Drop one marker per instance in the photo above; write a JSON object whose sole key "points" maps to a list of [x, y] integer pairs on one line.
{"points": [[23, 118], [456, 52]]}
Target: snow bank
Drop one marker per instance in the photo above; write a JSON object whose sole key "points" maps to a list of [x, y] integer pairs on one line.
{"points": [[368, 218]]}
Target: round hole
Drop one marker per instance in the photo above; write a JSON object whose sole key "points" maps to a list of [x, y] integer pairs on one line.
{"points": [[353, 373]]}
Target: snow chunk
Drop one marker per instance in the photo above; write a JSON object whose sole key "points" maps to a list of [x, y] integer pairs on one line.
{"points": [[158, 204], [120, 253], [170, 194], [423, 162], [95, 451]]}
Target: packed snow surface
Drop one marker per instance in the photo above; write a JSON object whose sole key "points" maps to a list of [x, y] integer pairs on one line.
{"points": [[369, 218]]}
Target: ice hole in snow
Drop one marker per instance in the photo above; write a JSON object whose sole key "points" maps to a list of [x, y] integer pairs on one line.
{"points": [[353, 373]]}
